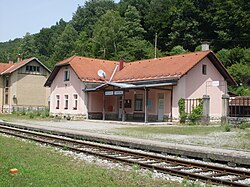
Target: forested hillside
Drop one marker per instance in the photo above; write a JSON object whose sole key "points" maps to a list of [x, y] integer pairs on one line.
{"points": [[108, 30]]}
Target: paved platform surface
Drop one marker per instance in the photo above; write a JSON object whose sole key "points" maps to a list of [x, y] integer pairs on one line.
{"points": [[100, 130]]}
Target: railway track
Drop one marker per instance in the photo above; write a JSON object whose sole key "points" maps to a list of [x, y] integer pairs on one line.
{"points": [[173, 166]]}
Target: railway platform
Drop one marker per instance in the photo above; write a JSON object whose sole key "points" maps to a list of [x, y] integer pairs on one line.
{"points": [[97, 131]]}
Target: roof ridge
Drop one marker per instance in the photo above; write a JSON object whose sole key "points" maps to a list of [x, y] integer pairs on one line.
{"points": [[19, 64], [171, 56]]}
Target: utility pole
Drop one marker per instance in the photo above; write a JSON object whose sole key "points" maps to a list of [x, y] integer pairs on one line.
{"points": [[155, 44]]}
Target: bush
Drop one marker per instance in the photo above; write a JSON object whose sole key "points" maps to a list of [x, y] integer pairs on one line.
{"points": [[196, 113], [244, 125], [31, 115], [227, 128], [183, 114]]}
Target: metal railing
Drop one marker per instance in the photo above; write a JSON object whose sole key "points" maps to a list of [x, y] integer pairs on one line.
{"points": [[190, 104], [239, 106]]}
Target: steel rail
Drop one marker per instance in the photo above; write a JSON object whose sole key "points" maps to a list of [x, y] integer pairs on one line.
{"points": [[111, 154]]}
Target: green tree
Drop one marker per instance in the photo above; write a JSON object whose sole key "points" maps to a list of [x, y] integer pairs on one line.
{"points": [[84, 45], [133, 26], [231, 20], [86, 16], [28, 47], [65, 46], [240, 72], [136, 49], [231, 56], [109, 34], [43, 42], [185, 26], [158, 19], [177, 50]]}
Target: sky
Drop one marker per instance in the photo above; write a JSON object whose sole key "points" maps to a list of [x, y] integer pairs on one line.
{"points": [[17, 17]]}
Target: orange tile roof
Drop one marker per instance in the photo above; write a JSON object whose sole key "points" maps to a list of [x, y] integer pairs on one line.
{"points": [[171, 67], [4, 67], [17, 65], [159, 68], [87, 68]]}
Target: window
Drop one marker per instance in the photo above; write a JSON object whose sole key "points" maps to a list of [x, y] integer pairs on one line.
{"points": [[7, 82], [66, 75], [75, 102], [29, 68], [57, 101], [66, 106], [138, 102], [204, 69], [6, 99], [127, 103]]}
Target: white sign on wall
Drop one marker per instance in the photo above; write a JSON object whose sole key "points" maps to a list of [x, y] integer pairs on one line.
{"points": [[120, 92], [109, 93], [215, 83]]}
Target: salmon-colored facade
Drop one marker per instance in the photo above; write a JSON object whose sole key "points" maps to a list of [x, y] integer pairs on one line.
{"points": [[147, 90]]}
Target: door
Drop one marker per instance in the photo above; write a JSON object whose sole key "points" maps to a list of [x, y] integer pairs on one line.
{"points": [[160, 106]]}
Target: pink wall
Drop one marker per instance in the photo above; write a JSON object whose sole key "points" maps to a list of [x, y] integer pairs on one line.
{"points": [[194, 85], [112, 102], [71, 87], [191, 85], [95, 103]]}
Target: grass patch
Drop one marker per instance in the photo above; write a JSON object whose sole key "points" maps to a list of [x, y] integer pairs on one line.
{"points": [[26, 115], [211, 136], [181, 130], [43, 166]]}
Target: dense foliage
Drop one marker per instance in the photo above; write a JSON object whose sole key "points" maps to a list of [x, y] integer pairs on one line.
{"points": [[183, 114], [104, 29]]}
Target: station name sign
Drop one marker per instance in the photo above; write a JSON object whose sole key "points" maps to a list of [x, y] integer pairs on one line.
{"points": [[118, 92]]}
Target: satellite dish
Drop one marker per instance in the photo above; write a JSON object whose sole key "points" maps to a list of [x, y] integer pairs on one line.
{"points": [[101, 73]]}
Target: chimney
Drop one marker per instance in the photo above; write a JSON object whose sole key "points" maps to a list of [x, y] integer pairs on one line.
{"points": [[204, 46], [121, 64], [19, 58], [11, 62]]}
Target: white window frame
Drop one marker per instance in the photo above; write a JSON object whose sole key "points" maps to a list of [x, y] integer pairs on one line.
{"points": [[66, 102], [66, 75], [75, 98], [138, 106], [57, 101]]}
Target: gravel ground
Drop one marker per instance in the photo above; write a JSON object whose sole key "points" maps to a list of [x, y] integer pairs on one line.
{"points": [[113, 165], [230, 140]]}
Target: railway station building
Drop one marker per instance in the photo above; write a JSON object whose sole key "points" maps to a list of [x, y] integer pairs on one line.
{"points": [[144, 90], [22, 85]]}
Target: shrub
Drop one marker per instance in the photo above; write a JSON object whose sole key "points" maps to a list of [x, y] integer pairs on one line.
{"points": [[31, 115], [196, 113], [183, 114], [227, 128], [44, 113], [244, 125]]}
